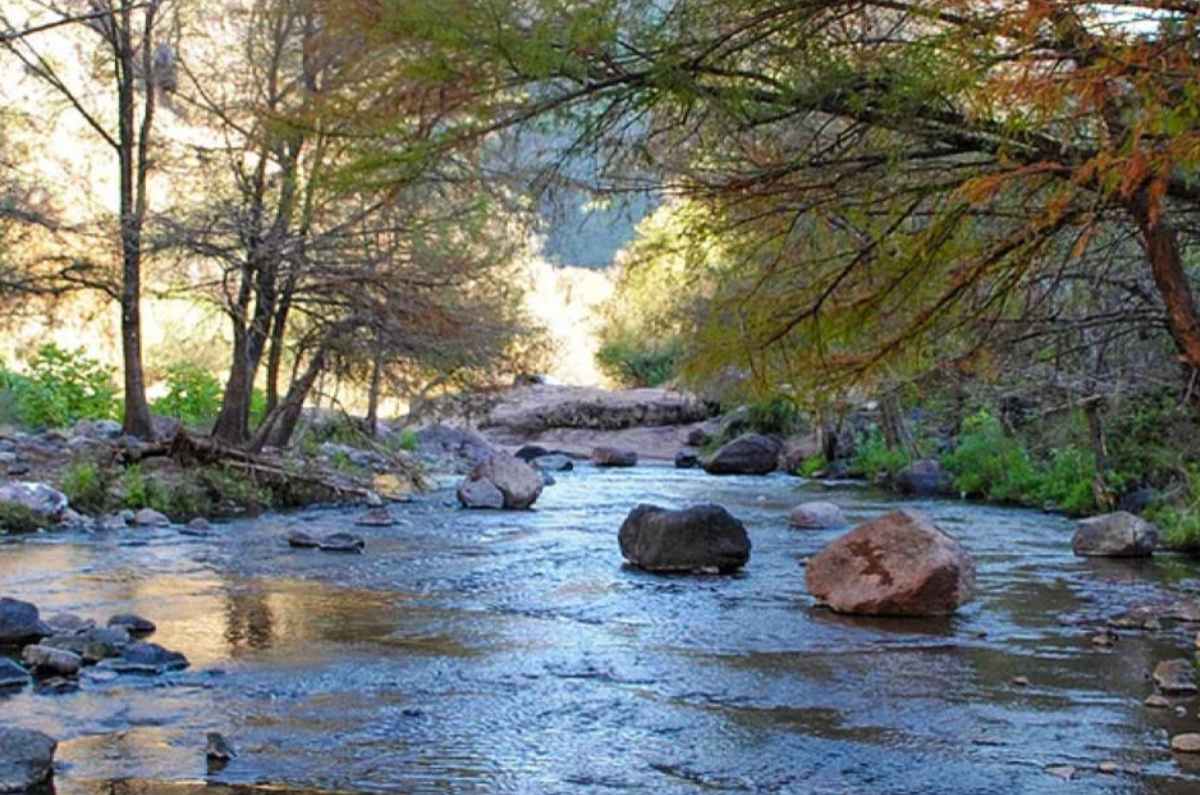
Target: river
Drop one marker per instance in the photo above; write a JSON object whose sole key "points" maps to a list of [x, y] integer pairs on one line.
{"points": [[513, 652]]}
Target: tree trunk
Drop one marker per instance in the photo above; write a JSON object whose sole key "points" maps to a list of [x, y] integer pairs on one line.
{"points": [[280, 423], [1166, 265], [231, 425], [373, 396], [137, 410]]}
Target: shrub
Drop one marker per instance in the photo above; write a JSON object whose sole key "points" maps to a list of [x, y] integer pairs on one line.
{"points": [[140, 491], [778, 415], [86, 486], [1067, 481], [811, 466], [16, 518], [62, 387], [193, 395], [1180, 522], [635, 362], [873, 458], [987, 462]]}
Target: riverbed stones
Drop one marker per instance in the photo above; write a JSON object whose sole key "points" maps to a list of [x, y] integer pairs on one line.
{"points": [[518, 483], [1115, 535], [94, 645], [897, 565], [49, 661], [148, 517], [925, 478], [12, 674], [816, 516], [1186, 743], [38, 498], [749, 454], [703, 538], [20, 623], [133, 624], [614, 457], [26, 759], [1175, 677]]}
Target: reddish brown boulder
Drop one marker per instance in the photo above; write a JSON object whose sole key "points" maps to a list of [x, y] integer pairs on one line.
{"points": [[897, 565]]}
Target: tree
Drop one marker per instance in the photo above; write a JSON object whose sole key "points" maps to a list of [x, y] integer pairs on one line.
{"points": [[890, 176], [138, 63]]}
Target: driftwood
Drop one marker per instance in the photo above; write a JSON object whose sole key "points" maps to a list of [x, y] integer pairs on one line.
{"points": [[192, 451]]}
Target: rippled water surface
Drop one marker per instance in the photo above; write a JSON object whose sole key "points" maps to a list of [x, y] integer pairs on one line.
{"points": [[513, 652]]}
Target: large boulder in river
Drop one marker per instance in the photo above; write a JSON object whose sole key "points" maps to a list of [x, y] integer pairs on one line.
{"points": [[38, 498], [519, 484], [26, 759], [20, 623], [925, 478], [687, 458], [700, 538], [1115, 535], [614, 457], [897, 565], [816, 516], [749, 454]]}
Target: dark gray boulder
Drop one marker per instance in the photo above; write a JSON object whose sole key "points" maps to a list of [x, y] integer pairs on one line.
{"points": [[1115, 535], [687, 458], [133, 624], [12, 675], [26, 759], [703, 538], [342, 542], [49, 661], [749, 454], [20, 623], [148, 658]]}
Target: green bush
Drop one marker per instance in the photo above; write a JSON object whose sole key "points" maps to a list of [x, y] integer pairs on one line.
{"points": [[989, 463], [193, 395], [16, 518], [1180, 521], [873, 458], [63, 387], [1067, 479], [140, 491], [778, 415], [811, 466], [634, 362], [86, 486]]}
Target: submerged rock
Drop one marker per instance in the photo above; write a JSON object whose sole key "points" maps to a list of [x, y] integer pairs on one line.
{"points": [[49, 661], [342, 542], [376, 517], [701, 538], [148, 658], [614, 457], [750, 454], [1118, 535], [1175, 677], [20, 623], [925, 478], [217, 748], [302, 540], [26, 759], [518, 483], [897, 565], [133, 624], [553, 462], [817, 516], [12, 675]]}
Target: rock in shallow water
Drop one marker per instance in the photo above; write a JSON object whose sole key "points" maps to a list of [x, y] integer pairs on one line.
{"points": [[897, 565], [148, 517], [342, 542], [518, 483], [49, 661], [26, 759], [925, 478], [149, 658], [1186, 743], [11, 674], [133, 624], [750, 454], [302, 540], [614, 457], [20, 623], [700, 538], [376, 517], [817, 516], [687, 458], [1116, 535], [1175, 676]]}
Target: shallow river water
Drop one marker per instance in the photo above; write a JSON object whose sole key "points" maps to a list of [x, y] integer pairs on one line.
{"points": [[513, 652]]}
